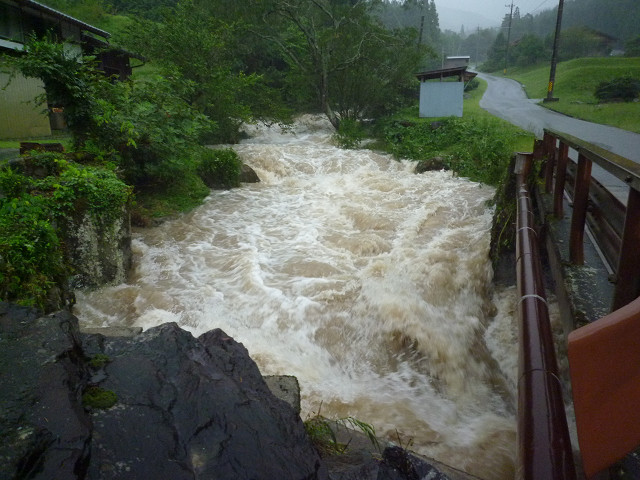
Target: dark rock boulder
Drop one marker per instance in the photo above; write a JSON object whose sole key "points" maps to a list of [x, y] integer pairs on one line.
{"points": [[186, 408], [210, 413], [248, 175], [45, 431], [430, 164]]}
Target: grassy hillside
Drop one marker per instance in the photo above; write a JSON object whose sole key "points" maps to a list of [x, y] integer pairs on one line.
{"points": [[576, 81]]}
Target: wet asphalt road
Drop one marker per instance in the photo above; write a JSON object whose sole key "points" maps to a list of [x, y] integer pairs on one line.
{"points": [[506, 99]]}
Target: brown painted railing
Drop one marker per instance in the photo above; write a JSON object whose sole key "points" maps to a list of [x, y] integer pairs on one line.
{"points": [[544, 445], [616, 227], [604, 356]]}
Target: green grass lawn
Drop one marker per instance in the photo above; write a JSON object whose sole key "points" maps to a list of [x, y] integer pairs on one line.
{"points": [[521, 140], [576, 81]]}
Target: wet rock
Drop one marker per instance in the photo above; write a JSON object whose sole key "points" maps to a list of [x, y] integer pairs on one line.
{"points": [[186, 407], [434, 163], [248, 175], [44, 429], [200, 408], [99, 250], [285, 387]]}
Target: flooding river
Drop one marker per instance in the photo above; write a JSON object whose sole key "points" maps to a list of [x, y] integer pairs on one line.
{"points": [[369, 283]]}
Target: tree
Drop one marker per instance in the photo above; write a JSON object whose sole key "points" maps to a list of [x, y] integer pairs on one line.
{"points": [[529, 50], [496, 54], [146, 128], [193, 47], [632, 47], [352, 62]]}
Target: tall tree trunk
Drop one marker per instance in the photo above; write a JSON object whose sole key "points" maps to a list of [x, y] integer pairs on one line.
{"points": [[324, 97]]}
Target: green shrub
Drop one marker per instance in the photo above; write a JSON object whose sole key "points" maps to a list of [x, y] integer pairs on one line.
{"points": [[220, 168], [96, 190], [30, 252], [625, 89], [475, 148], [472, 85], [350, 133]]}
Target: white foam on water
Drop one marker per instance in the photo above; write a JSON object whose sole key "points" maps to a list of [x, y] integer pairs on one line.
{"points": [[369, 283]]}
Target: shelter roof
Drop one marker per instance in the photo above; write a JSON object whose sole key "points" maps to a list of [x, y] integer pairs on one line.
{"points": [[460, 72]]}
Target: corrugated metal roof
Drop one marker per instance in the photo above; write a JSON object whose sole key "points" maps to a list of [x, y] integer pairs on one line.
{"points": [[44, 8]]}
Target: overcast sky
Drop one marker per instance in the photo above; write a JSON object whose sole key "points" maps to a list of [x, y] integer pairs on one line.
{"points": [[486, 10]]}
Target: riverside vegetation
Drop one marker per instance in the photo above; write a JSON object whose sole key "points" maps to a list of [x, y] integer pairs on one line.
{"points": [[138, 144]]}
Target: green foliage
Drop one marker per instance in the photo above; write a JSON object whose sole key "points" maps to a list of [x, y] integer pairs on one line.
{"points": [[496, 54], [477, 148], [350, 134], [322, 434], [621, 89], [581, 41], [178, 197], [30, 252], [68, 80], [632, 47], [529, 51], [220, 168], [472, 85], [576, 82], [197, 49], [96, 397], [99, 361], [148, 129], [355, 67]]}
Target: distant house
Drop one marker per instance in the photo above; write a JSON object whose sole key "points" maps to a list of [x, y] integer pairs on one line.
{"points": [[455, 62], [19, 115]]}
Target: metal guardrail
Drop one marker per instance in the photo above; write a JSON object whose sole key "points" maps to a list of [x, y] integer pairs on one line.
{"points": [[603, 355], [617, 229], [544, 445]]}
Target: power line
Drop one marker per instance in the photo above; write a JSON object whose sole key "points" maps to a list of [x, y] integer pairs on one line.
{"points": [[545, 1]]}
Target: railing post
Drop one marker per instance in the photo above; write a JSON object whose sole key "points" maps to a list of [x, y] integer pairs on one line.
{"points": [[628, 274], [580, 204], [561, 175], [550, 149]]}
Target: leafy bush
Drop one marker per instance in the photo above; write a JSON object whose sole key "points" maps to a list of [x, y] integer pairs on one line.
{"points": [[30, 252], [149, 131], [477, 149], [472, 85], [147, 128], [625, 89], [632, 47], [220, 168], [350, 133]]}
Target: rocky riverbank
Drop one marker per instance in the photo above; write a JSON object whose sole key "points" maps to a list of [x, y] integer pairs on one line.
{"points": [[162, 404]]}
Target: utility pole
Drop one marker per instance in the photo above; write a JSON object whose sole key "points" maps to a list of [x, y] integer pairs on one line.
{"points": [[506, 55], [554, 56], [478, 47]]}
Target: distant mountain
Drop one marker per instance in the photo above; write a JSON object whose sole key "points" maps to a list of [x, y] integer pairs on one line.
{"points": [[453, 19]]}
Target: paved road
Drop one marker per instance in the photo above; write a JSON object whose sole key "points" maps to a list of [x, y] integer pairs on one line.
{"points": [[506, 99]]}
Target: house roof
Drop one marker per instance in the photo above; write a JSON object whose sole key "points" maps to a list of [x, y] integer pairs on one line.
{"points": [[460, 72], [63, 16]]}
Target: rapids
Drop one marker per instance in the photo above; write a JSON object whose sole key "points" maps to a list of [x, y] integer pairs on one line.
{"points": [[369, 283]]}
